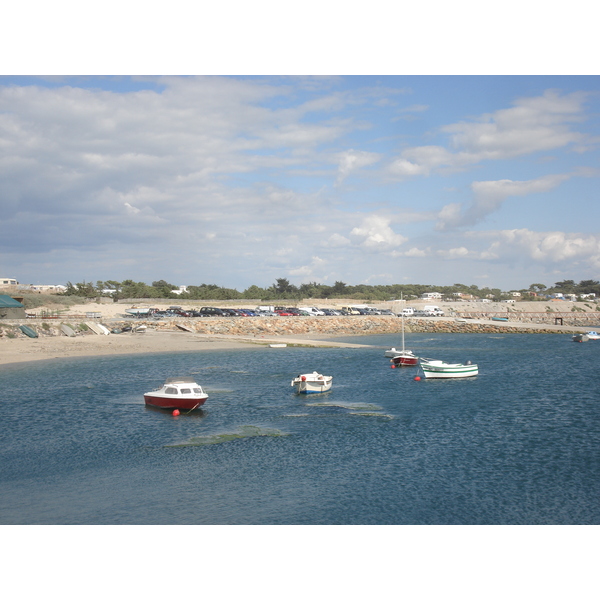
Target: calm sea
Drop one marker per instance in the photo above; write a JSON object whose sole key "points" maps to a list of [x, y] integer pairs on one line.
{"points": [[518, 444]]}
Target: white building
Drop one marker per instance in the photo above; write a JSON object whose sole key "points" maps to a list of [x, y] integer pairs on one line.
{"points": [[7, 281], [431, 296]]}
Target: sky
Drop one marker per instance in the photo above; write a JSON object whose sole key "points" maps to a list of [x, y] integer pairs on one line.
{"points": [[303, 166], [239, 180]]}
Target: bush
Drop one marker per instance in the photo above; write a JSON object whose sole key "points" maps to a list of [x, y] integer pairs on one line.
{"points": [[31, 301]]}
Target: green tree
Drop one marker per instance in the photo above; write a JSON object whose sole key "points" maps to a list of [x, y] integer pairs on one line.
{"points": [[567, 286]]}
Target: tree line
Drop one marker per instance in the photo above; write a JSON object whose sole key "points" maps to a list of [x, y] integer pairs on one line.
{"points": [[282, 289]]}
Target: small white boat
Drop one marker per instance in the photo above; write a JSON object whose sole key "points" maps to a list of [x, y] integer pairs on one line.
{"points": [[438, 369], [97, 328], [592, 335], [312, 383], [177, 392], [392, 353], [277, 345], [137, 311], [581, 337], [68, 331]]}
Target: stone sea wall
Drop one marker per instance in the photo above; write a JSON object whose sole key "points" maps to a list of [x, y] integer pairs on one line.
{"points": [[356, 325], [302, 326]]}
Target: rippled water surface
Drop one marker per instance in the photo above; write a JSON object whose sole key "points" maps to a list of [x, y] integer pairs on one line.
{"points": [[518, 444]]}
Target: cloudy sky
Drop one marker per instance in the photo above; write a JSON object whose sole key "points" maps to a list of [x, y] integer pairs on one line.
{"points": [[485, 180]]}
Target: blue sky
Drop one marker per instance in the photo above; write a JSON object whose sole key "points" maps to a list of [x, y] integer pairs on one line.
{"points": [[239, 180], [286, 158]]}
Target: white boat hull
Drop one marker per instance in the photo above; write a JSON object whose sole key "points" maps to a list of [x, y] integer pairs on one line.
{"points": [[312, 383]]}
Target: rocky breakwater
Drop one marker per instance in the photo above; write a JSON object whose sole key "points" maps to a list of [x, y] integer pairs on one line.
{"points": [[339, 326], [448, 326], [289, 326]]}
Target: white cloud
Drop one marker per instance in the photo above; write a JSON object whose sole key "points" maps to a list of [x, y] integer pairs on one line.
{"points": [[454, 253], [309, 272], [488, 197], [336, 241], [375, 233], [547, 248], [131, 210], [354, 159], [532, 125]]}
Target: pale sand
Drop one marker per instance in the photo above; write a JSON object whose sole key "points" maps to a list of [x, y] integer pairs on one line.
{"points": [[43, 348]]}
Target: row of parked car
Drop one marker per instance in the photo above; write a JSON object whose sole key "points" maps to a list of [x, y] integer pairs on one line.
{"points": [[289, 311], [262, 311]]}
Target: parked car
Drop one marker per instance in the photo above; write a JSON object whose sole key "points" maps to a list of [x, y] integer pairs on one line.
{"points": [[311, 310], [211, 311]]}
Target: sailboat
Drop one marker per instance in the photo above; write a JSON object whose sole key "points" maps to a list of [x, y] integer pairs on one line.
{"points": [[404, 357]]}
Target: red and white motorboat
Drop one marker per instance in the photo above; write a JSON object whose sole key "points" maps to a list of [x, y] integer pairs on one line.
{"points": [[178, 392], [405, 358]]}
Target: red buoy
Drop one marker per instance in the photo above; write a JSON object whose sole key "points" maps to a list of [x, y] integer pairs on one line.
{"points": [[176, 413], [417, 378], [393, 366]]}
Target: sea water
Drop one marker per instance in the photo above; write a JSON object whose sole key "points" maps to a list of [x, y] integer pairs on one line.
{"points": [[518, 444]]}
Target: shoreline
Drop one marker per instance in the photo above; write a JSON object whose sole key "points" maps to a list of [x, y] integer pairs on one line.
{"points": [[216, 334], [31, 350]]}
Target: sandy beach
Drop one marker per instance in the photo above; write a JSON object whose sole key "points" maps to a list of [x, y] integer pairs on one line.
{"points": [[21, 350]]}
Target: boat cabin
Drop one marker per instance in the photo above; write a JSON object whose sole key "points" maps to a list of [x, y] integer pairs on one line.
{"points": [[182, 385]]}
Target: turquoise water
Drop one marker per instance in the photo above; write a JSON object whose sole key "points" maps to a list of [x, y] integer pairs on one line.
{"points": [[518, 444]]}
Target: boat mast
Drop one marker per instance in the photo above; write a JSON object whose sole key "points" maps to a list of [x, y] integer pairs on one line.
{"points": [[402, 313]]}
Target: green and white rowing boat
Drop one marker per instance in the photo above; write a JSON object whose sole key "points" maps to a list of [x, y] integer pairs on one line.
{"points": [[437, 369]]}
